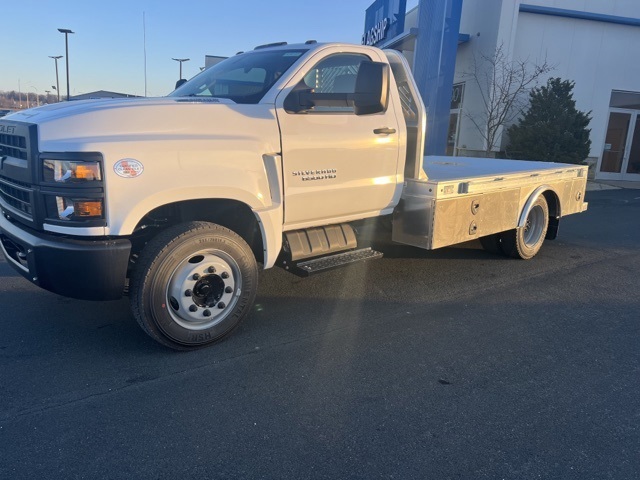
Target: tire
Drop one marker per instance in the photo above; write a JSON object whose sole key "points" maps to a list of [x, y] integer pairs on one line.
{"points": [[193, 284], [525, 242]]}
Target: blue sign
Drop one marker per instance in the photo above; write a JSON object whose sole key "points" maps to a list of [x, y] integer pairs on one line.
{"points": [[384, 20]]}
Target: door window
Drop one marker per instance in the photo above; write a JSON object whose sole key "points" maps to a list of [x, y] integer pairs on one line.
{"points": [[455, 113], [335, 74], [615, 142], [634, 154]]}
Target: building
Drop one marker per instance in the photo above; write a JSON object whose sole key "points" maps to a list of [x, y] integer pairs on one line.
{"points": [[586, 41], [211, 60], [102, 94]]}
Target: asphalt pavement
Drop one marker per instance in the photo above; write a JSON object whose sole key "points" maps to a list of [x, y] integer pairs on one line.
{"points": [[422, 365]]}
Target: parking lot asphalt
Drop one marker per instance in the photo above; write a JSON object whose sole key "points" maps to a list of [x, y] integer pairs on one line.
{"points": [[428, 365]]}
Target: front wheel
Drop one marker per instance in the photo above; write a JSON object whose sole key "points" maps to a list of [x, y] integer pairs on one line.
{"points": [[193, 284], [525, 242]]}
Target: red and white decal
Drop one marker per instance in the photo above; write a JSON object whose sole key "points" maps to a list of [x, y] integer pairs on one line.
{"points": [[128, 168]]}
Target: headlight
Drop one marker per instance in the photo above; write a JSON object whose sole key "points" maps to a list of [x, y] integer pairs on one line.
{"points": [[67, 171], [78, 209]]}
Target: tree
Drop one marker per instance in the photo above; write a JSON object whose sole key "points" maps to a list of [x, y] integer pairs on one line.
{"points": [[552, 130], [503, 84]]}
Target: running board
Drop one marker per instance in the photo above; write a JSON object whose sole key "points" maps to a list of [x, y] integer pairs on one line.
{"points": [[318, 265]]}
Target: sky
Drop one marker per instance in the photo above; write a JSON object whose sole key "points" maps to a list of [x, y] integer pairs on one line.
{"points": [[107, 50]]}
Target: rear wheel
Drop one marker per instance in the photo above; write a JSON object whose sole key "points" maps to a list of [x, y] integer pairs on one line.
{"points": [[525, 242], [193, 285]]}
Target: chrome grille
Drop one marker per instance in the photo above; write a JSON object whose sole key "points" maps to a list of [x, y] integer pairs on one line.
{"points": [[13, 146], [16, 195]]}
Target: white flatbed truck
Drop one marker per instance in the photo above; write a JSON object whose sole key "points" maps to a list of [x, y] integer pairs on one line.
{"points": [[268, 158]]}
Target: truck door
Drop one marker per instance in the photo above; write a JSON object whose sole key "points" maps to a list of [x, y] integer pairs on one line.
{"points": [[337, 165]]}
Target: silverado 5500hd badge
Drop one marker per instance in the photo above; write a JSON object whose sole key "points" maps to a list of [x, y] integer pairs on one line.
{"points": [[324, 174]]}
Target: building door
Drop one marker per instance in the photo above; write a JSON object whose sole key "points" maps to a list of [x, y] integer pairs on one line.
{"points": [[621, 154]]}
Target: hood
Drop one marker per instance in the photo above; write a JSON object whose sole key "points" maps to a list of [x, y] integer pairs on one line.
{"points": [[80, 107], [78, 125]]}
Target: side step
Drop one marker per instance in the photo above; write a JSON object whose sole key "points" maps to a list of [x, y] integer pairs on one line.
{"points": [[317, 265]]}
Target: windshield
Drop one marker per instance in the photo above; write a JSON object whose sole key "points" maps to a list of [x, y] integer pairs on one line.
{"points": [[244, 78]]}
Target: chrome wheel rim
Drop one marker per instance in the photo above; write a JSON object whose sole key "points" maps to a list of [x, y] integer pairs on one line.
{"points": [[203, 289], [534, 226]]}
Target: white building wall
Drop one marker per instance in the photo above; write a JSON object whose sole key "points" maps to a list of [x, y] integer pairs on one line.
{"points": [[598, 56], [481, 20], [620, 8]]}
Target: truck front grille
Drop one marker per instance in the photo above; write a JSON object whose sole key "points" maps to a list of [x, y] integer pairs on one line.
{"points": [[13, 146], [17, 195]]}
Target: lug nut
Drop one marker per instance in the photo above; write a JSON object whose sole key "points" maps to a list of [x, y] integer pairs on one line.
{"points": [[211, 269], [207, 313], [193, 308], [188, 293], [221, 305], [224, 275], [196, 276], [228, 290]]}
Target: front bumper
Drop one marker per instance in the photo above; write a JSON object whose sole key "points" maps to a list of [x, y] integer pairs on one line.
{"points": [[84, 269]]}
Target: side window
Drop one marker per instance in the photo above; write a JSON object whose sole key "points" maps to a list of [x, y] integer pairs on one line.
{"points": [[335, 74]]}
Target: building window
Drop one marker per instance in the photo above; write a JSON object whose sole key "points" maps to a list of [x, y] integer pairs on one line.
{"points": [[629, 100], [455, 113]]}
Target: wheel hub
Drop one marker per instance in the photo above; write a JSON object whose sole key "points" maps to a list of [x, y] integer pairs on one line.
{"points": [[208, 291], [534, 226]]}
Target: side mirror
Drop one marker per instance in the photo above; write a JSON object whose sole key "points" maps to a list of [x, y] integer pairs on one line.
{"points": [[181, 82], [299, 101], [372, 88]]}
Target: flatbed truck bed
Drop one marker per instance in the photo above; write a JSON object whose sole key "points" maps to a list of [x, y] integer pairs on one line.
{"points": [[463, 198]]}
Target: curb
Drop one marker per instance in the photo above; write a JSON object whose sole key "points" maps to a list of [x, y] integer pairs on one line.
{"points": [[594, 186]]}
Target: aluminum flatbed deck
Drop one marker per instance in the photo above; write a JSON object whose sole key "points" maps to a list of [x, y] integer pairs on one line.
{"points": [[465, 198]]}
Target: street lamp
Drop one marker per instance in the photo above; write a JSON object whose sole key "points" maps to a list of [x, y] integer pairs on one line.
{"points": [[57, 87], [181, 60], [66, 32]]}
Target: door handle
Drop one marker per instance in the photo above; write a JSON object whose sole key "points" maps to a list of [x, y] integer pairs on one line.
{"points": [[384, 131]]}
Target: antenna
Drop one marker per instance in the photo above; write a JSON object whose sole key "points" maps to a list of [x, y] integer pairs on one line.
{"points": [[144, 36]]}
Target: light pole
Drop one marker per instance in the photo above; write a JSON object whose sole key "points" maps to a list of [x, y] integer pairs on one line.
{"points": [[66, 32], [57, 87], [181, 60]]}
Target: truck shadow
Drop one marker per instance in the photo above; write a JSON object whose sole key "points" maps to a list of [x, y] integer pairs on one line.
{"points": [[469, 251], [408, 278]]}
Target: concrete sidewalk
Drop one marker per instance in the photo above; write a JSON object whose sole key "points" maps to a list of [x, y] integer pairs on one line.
{"points": [[611, 185]]}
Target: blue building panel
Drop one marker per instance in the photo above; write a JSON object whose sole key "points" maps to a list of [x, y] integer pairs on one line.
{"points": [[434, 66], [384, 19]]}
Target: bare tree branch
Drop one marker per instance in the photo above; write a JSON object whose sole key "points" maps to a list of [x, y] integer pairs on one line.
{"points": [[503, 85]]}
